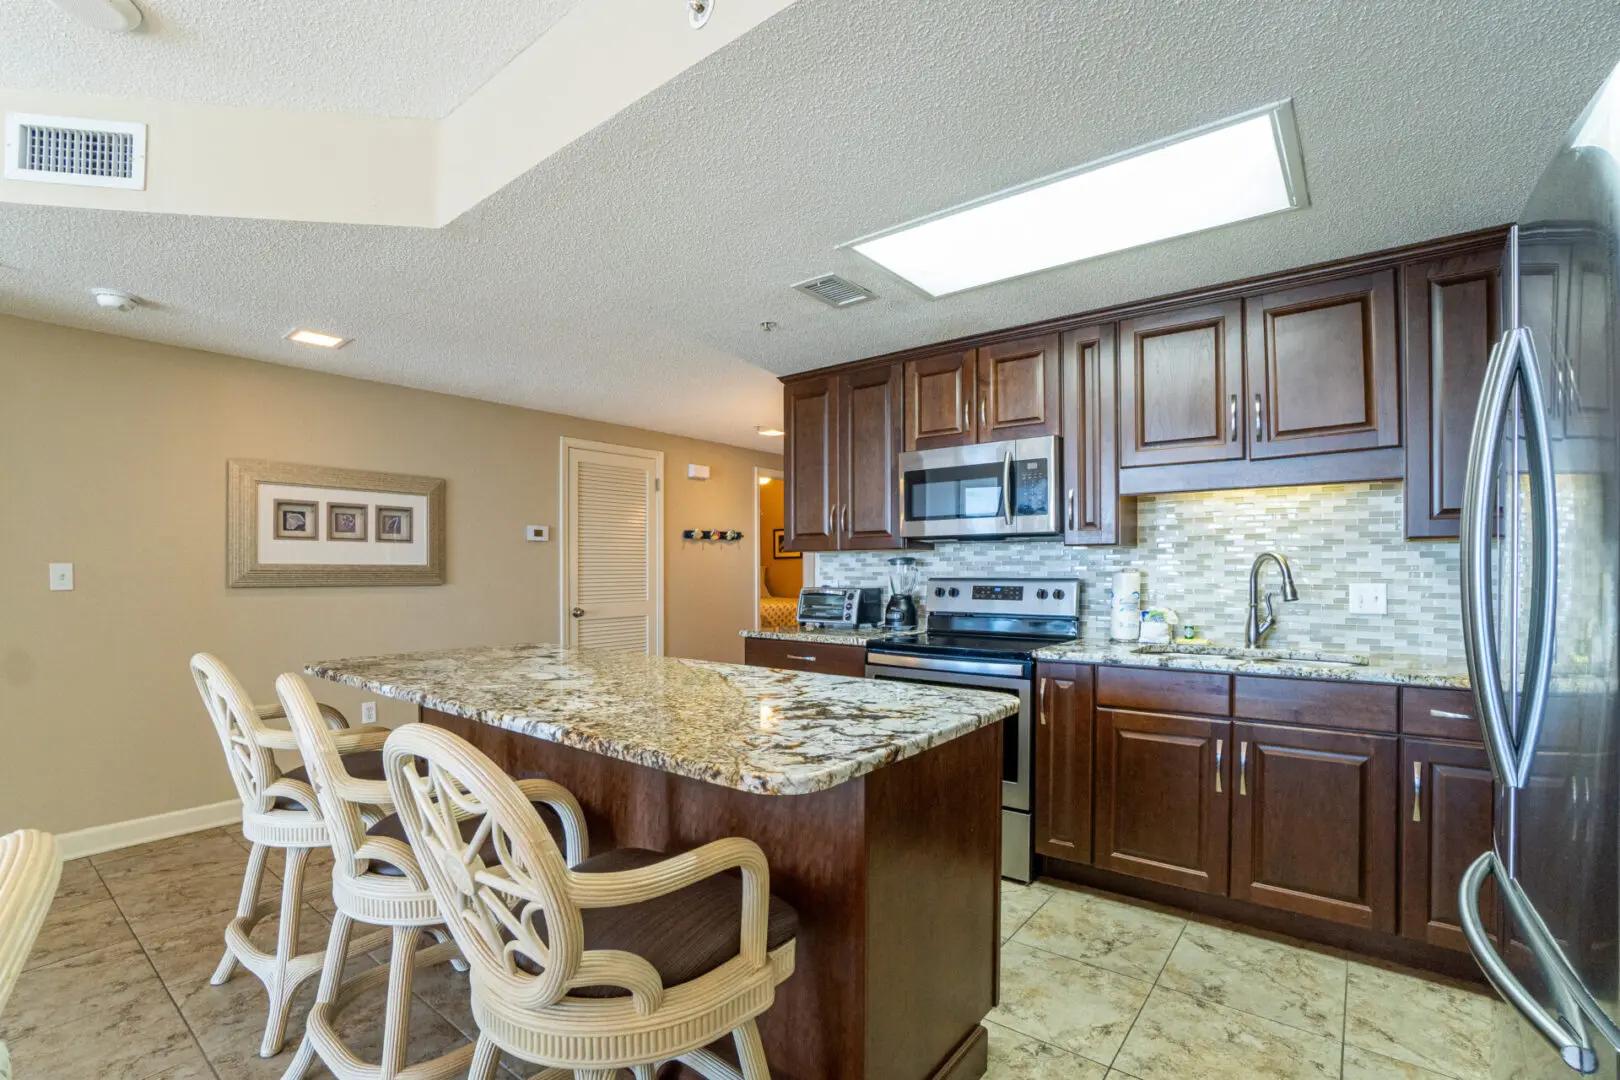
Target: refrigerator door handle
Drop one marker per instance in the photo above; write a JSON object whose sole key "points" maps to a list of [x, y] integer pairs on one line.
{"points": [[1566, 1032], [1475, 527], [1513, 362]]}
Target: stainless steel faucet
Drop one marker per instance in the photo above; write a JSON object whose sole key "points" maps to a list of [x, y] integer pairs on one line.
{"points": [[1256, 630]]}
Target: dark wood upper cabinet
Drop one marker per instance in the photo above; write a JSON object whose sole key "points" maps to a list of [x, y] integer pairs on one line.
{"points": [[1446, 804], [1324, 369], [810, 464], [1313, 823], [1451, 311], [869, 425], [1063, 762], [1018, 389], [1181, 386], [941, 397], [1093, 511], [1163, 794]]}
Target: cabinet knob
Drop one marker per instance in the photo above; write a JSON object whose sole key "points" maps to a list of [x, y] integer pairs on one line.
{"points": [[577, 612]]}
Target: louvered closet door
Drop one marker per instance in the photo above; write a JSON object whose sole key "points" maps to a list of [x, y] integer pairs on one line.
{"points": [[612, 580]]}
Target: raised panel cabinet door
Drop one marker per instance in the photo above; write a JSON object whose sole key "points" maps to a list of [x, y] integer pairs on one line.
{"points": [[810, 464], [1451, 317], [1447, 796], [1181, 386], [1324, 368], [1093, 511], [869, 447], [1018, 389], [941, 399], [1313, 823], [1063, 762], [1163, 798]]}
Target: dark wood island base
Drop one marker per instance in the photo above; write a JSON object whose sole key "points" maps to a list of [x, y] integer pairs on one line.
{"points": [[895, 875]]}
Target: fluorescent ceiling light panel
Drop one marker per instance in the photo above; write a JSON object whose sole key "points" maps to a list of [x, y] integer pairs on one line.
{"points": [[1237, 169], [315, 337]]}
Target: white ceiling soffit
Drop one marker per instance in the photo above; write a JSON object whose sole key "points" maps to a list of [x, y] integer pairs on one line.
{"points": [[225, 160]]}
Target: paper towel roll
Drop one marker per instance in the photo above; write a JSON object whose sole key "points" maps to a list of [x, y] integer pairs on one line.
{"points": [[1125, 607]]}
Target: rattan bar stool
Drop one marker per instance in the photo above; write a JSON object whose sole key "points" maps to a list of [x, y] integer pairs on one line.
{"points": [[627, 961], [278, 811], [375, 879], [30, 866]]}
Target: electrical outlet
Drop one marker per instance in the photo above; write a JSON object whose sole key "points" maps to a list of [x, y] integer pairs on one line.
{"points": [[1369, 598], [368, 712]]}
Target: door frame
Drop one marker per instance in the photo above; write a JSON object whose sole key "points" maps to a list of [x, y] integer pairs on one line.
{"points": [[565, 445], [776, 476]]}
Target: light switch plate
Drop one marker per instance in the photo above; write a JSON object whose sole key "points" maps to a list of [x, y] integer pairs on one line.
{"points": [[61, 577], [1369, 598], [537, 533], [368, 712]]}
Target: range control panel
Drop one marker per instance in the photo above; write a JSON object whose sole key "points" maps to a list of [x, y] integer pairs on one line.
{"points": [[1003, 596]]}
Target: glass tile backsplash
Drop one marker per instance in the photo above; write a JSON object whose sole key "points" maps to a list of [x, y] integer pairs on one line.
{"points": [[1194, 552]]}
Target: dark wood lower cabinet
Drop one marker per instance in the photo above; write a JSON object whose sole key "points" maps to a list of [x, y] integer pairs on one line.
{"points": [[1063, 762], [1313, 823], [1162, 797], [1446, 804]]}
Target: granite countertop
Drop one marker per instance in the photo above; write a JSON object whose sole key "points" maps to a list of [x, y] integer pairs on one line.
{"points": [[829, 637], [1295, 662], [755, 729]]}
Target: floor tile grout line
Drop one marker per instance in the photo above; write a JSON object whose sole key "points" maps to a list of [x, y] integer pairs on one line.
{"points": [[1052, 1045], [207, 1061], [1152, 986], [1344, 1024]]}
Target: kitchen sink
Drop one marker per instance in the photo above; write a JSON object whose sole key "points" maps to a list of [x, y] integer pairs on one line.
{"points": [[1297, 657]]}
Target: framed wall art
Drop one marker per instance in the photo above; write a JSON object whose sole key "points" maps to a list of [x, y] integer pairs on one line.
{"points": [[309, 525]]}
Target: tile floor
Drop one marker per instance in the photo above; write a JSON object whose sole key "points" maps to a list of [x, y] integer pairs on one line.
{"points": [[1092, 988]]}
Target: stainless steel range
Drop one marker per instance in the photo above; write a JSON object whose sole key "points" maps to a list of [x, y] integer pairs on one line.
{"points": [[983, 632]]}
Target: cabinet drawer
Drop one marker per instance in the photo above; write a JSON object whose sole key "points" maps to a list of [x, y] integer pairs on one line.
{"points": [[1439, 714], [1357, 706], [1157, 690], [805, 656]]}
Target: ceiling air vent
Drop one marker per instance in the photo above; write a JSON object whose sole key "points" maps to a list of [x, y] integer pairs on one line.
{"points": [[65, 150], [834, 290]]}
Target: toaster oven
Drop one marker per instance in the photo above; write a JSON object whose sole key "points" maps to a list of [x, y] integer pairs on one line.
{"points": [[844, 609]]}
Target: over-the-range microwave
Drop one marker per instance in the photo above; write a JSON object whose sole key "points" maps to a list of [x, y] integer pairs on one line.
{"points": [[984, 490]]}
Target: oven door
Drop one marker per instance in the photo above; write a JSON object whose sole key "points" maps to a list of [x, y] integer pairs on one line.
{"points": [[1017, 738], [988, 489]]}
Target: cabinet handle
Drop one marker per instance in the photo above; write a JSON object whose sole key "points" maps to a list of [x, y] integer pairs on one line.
{"points": [[806, 659], [1220, 748], [1259, 424], [1042, 697], [1417, 791], [983, 423], [843, 518], [1447, 714], [1231, 420], [1243, 767], [1071, 509]]}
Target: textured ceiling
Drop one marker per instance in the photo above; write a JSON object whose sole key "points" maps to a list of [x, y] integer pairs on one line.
{"points": [[626, 276], [400, 58]]}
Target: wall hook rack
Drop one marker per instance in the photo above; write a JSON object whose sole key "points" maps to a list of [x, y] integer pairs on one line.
{"points": [[724, 535]]}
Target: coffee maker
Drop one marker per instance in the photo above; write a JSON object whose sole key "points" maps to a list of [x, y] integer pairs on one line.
{"points": [[901, 614]]}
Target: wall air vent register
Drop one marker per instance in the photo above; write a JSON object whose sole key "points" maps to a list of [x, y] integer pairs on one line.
{"points": [[66, 150]]}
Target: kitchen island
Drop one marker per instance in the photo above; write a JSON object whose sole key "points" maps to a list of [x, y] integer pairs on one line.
{"points": [[876, 803]]}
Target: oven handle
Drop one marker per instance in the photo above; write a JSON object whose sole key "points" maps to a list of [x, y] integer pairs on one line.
{"points": [[910, 666]]}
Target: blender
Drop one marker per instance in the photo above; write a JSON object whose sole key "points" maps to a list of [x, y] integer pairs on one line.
{"points": [[901, 614]]}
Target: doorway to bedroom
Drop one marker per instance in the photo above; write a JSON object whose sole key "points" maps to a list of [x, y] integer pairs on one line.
{"points": [[778, 574]]}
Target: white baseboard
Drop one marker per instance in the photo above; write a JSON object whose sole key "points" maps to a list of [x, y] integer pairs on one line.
{"points": [[122, 834]]}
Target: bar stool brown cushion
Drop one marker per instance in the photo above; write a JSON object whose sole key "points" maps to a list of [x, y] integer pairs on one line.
{"points": [[683, 935], [362, 765], [391, 826]]}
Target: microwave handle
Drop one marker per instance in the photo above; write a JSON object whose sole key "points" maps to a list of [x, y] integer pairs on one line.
{"points": [[1007, 487]]}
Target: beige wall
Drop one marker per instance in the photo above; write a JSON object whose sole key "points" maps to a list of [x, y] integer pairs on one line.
{"points": [[112, 457], [785, 575]]}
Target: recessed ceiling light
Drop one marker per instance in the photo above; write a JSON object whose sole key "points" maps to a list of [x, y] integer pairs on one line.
{"points": [[1241, 168], [315, 337], [771, 432]]}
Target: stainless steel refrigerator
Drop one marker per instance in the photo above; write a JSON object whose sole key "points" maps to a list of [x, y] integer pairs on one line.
{"points": [[1540, 556]]}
